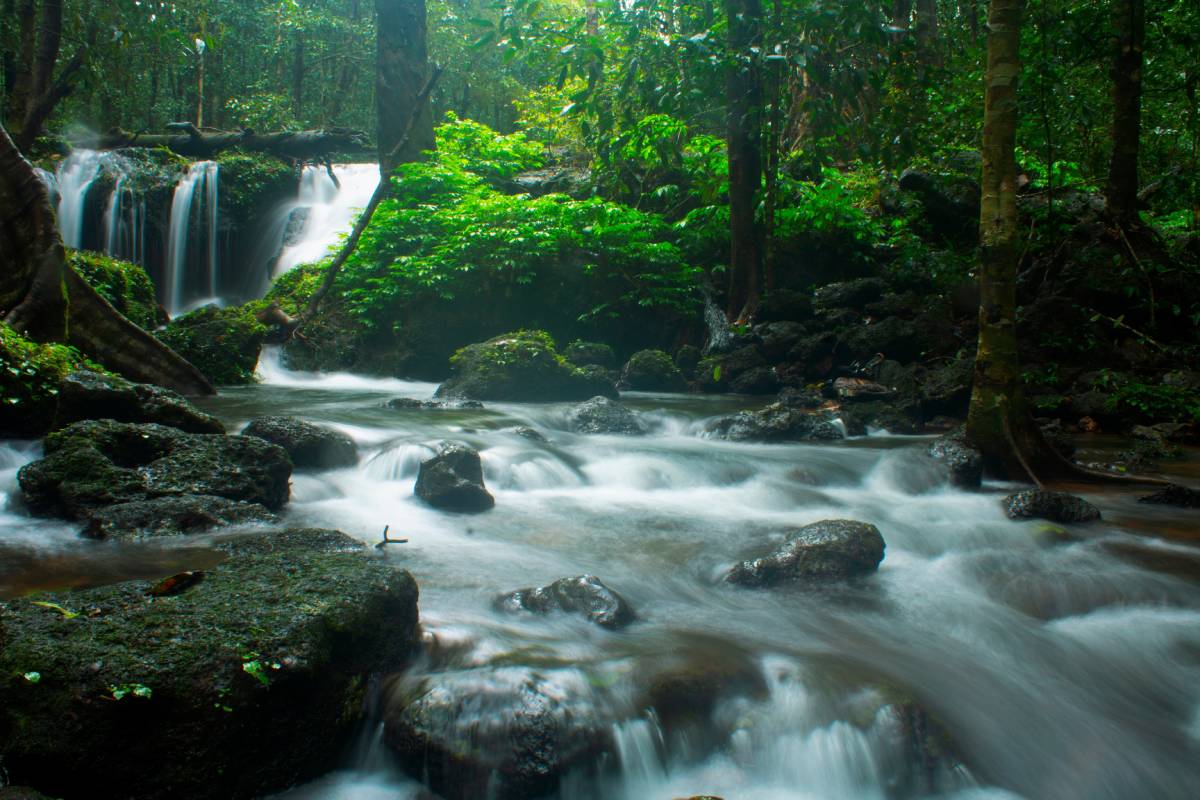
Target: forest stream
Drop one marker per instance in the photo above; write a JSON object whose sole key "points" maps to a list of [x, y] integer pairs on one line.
{"points": [[1056, 665]]}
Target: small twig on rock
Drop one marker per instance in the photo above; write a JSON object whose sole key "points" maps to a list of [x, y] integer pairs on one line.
{"points": [[386, 541]]}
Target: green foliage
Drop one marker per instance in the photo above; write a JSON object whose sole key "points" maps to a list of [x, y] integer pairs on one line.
{"points": [[224, 344], [251, 183], [1155, 402], [125, 285], [137, 690], [29, 377], [477, 148]]}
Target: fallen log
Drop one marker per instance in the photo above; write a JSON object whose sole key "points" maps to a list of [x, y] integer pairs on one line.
{"points": [[191, 142]]}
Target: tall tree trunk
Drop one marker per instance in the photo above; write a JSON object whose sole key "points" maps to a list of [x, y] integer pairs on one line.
{"points": [[22, 85], [1129, 19], [927, 31], [298, 77], [48, 46], [743, 91], [403, 70]]}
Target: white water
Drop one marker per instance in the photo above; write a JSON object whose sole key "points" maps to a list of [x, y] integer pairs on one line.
{"points": [[180, 289], [74, 179], [330, 212]]}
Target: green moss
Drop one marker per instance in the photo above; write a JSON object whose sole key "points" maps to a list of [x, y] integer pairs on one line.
{"points": [[125, 285], [519, 366], [29, 378], [223, 343], [252, 182]]}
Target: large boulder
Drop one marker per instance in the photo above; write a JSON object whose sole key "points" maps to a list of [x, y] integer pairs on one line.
{"points": [[522, 367], [508, 733], [309, 445], [652, 371], [601, 415], [849, 294], [718, 373], [951, 202], [777, 338], [453, 480], [962, 461], [585, 595], [581, 354], [172, 516], [236, 685], [1054, 506], [1174, 495], [836, 549], [775, 423], [89, 465], [84, 395], [223, 343]]}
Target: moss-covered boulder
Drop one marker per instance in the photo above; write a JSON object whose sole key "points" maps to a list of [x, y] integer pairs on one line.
{"points": [[123, 284], [86, 394], [310, 446], [523, 367], [89, 465], [223, 343], [244, 683], [652, 371], [30, 377]]}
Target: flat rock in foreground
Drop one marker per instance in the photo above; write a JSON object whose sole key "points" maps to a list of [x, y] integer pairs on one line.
{"points": [[243, 683]]}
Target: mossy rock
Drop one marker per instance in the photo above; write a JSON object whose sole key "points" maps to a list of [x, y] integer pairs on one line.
{"points": [[30, 375], [252, 183], [246, 682], [652, 371], [525, 367], [123, 284], [223, 343], [85, 395]]}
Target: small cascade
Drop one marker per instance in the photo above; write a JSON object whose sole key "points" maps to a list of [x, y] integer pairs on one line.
{"points": [[180, 285], [74, 179], [322, 213], [113, 218]]}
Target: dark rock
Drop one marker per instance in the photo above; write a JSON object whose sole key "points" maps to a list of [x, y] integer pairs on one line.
{"points": [[93, 464], [800, 399], [413, 404], [453, 480], [835, 549], [220, 687], [775, 423], [1174, 495], [778, 338], [601, 415], [571, 181], [508, 734], [963, 462], [849, 294], [895, 338], [687, 358], [685, 694], [861, 390], [897, 418], [525, 432], [603, 377], [759, 380], [21, 793], [310, 446], [946, 389], [1059, 439], [85, 395], [814, 354], [585, 595], [1054, 506], [951, 203], [171, 516], [652, 371], [583, 353], [522, 367], [718, 373], [785, 305]]}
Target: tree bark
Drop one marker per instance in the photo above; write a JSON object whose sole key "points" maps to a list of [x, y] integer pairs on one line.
{"points": [[743, 91], [927, 31], [402, 71], [194, 143], [1130, 23]]}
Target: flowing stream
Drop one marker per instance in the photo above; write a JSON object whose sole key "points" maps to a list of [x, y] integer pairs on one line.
{"points": [[1059, 666]]}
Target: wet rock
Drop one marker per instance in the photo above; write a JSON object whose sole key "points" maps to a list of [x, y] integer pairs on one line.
{"points": [[718, 373], [526, 432], [1054, 506], [946, 389], [601, 415], [413, 404], [85, 395], [837, 549], [220, 687], [813, 356], [792, 397], [687, 358], [861, 390], [963, 461], [775, 423], [522, 367], [172, 516], [785, 305], [849, 294], [583, 353], [21, 793], [757, 381], [93, 464], [685, 694], [571, 181], [310, 446], [1059, 439], [1174, 495], [893, 337], [585, 595], [778, 338], [896, 418], [652, 371], [453, 480], [508, 734]]}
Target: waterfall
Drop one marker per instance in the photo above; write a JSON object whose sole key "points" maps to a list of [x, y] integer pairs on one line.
{"points": [[112, 219], [201, 179], [75, 178], [322, 213]]}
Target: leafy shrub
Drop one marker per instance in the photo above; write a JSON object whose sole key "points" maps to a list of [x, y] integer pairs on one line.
{"points": [[477, 148], [29, 378], [223, 343], [123, 284]]}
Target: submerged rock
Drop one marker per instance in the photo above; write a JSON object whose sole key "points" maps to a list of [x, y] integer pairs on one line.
{"points": [[85, 395], [585, 595], [172, 516], [775, 423], [453, 480], [835, 549], [93, 464], [652, 371], [413, 404], [601, 415], [523, 367], [310, 446], [685, 694], [1174, 495], [508, 734], [242, 684], [964, 463], [1054, 506]]}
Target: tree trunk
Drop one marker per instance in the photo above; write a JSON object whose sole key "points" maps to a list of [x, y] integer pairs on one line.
{"points": [[298, 78], [403, 69], [1130, 23], [42, 298], [927, 31], [48, 46], [21, 88], [193, 143], [743, 91]]}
